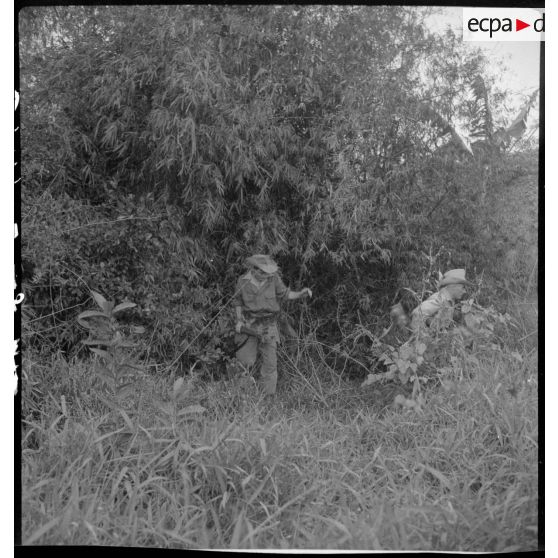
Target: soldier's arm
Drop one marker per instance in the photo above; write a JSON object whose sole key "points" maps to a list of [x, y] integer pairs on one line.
{"points": [[424, 312], [285, 293], [237, 301], [293, 295], [238, 312], [239, 321]]}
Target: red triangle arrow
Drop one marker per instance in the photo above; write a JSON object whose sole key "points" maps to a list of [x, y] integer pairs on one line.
{"points": [[519, 25]]}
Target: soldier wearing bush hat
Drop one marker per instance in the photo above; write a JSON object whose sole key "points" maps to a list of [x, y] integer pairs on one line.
{"points": [[259, 294], [451, 288]]}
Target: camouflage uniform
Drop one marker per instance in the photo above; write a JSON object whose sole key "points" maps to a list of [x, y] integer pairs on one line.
{"points": [[260, 303]]}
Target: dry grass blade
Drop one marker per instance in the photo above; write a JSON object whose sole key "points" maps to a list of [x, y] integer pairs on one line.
{"points": [[277, 512], [127, 420], [235, 537], [261, 486], [42, 531]]}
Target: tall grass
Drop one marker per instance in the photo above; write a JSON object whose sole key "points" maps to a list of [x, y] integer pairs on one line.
{"points": [[326, 464]]}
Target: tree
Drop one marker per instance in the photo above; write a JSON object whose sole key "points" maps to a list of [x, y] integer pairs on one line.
{"points": [[200, 134]]}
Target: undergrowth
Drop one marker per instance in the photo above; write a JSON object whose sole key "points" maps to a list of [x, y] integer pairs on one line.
{"points": [[183, 462]]}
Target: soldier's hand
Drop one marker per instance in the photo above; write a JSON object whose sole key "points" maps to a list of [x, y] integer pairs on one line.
{"points": [[308, 292]]}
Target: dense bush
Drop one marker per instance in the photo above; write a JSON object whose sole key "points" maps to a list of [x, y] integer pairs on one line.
{"points": [[161, 145]]}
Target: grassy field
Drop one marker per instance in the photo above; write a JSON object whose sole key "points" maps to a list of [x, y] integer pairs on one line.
{"points": [[326, 464]]}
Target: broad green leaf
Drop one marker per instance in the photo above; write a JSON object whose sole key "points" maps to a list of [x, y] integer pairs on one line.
{"points": [[405, 352], [123, 306], [81, 318], [101, 301], [402, 365]]}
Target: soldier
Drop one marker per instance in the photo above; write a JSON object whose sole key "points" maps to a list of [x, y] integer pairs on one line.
{"points": [[259, 294], [438, 309]]}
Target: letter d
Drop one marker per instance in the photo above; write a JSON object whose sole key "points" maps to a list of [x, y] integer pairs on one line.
{"points": [[536, 25]]}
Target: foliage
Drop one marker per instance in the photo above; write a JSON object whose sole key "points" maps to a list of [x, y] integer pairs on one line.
{"points": [[323, 466], [152, 166], [432, 354], [403, 364], [119, 374]]}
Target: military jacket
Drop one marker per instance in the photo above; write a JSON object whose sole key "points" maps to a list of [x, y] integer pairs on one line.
{"points": [[260, 300], [439, 305]]}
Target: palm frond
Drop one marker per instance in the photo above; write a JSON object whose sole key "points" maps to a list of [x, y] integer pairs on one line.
{"points": [[519, 124], [482, 125]]}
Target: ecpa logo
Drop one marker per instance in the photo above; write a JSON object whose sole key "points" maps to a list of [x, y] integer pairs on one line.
{"points": [[503, 24]]}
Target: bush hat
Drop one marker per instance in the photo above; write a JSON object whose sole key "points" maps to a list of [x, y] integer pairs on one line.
{"points": [[453, 277], [263, 262]]}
